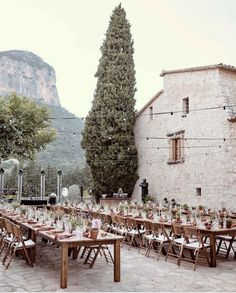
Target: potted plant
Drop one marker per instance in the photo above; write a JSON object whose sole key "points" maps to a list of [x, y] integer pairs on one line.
{"points": [[23, 210], [177, 216], [228, 223], [15, 205], [200, 207], [185, 206]]}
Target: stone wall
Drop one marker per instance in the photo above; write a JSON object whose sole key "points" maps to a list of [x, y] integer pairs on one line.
{"points": [[208, 164]]}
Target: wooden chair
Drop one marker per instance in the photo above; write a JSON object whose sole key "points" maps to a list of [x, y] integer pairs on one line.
{"points": [[7, 235], [91, 253], [133, 232], [176, 241], [195, 247], [18, 244], [146, 237], [121, 225], [160, 238], [225, 243], [2, 232], [113, 227]]}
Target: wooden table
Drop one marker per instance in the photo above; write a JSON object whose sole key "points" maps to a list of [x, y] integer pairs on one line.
{"points": [[74, 242], [71, 242], [212, 233], [212, 236]]}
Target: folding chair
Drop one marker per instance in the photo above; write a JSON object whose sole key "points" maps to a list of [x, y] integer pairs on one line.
{"points": [[18, 244], [195, 247]]}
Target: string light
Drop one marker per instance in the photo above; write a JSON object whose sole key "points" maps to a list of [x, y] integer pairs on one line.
{"points": [[154, 113]]}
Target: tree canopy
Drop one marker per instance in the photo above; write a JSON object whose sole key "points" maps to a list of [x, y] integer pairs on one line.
{"points": [[24, 127], [108, 137]]}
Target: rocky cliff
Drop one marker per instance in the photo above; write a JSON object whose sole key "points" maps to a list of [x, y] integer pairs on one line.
{"points": [[28, 75]]}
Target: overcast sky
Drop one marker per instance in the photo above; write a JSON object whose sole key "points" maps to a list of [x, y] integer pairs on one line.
{"points": [[168, 34]]}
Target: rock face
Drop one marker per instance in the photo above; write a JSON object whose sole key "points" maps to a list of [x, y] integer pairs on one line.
{"points": [[28, 75]]}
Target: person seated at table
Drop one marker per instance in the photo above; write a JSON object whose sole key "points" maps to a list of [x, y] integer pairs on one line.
{"points": [[165, 203], [173, 203]]}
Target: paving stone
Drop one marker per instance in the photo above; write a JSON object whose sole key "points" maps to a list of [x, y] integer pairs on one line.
{"points": [[138, 274]]}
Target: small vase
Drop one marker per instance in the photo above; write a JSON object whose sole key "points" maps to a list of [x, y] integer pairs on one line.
{"points": [[228, 224]]}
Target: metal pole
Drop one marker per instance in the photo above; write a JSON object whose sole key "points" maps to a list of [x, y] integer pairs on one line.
{"points": [[59, 184], [20, 181], [1, 181], [42, 184]]}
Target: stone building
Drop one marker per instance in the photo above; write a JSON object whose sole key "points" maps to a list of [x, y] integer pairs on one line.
{"points": [[186, 137]]}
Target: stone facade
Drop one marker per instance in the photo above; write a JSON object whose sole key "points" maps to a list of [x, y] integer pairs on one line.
{"points": [[208, 148]]}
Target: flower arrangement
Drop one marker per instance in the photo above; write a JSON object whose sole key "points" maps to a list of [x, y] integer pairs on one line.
{"points": [[23, 210], [185, 206], [75, 222], [15, 205]]}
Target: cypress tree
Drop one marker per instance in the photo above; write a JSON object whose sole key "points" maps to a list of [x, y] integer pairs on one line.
{"points": [[108, 137]]}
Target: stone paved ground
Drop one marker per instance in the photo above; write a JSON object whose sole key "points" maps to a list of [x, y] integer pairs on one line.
{"points": [[138, 273]]}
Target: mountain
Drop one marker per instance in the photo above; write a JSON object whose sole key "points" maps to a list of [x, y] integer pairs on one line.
{"points": [[65, 152], [28, 75]]}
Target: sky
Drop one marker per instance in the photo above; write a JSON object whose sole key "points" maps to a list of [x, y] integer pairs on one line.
{"points": [[167, 34]]}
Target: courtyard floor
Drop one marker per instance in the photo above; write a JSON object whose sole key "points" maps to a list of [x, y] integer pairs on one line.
{"points": [[138, 274]]}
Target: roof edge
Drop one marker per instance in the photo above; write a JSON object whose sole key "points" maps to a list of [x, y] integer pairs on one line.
{"points": [[200, 68], [149, 103]]}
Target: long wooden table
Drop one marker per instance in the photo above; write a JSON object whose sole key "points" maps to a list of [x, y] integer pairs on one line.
{"points": [[212, 233], [70, 242], [74, 242]]}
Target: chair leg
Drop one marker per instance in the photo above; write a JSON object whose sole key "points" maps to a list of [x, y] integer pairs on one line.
{"points": [[83, 252], [9, 257], [196, 259], [150, 246], [219, 245], [169, 248], [229, 248], [180, 255], [160, 249], [88, 255], [207, 257], [95, 257], [28, 260]]}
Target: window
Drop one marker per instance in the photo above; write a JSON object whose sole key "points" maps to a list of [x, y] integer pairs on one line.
{"points": [[198, 191], [151, 113], [185, 106], [176, 149], [176, 146]]}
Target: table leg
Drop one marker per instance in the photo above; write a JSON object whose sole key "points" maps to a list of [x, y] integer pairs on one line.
{"points": [[117, 261], [64, 265], [74, 252], [212, 250], [33, 237]]}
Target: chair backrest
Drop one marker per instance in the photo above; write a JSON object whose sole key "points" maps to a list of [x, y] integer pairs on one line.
{"points": [[157, 228], [130, 223], [121, 221], [113, 219], [166, 232], [9, 228], [2, 224], [17, 232], [177, 230], [148, 227], [191, 232]]}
